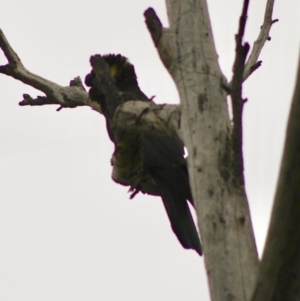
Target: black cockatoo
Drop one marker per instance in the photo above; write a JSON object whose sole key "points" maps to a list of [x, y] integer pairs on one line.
{"points": [[148, 163]]}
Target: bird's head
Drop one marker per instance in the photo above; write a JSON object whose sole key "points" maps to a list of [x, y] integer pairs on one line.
{"points": [[125, 79], [122, 71]]}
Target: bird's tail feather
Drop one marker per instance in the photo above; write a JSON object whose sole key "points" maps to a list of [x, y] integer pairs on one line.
{"points": [[181, 221]]}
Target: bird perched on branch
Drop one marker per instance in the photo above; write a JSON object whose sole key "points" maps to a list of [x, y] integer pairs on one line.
{"points": [[147, 162]]}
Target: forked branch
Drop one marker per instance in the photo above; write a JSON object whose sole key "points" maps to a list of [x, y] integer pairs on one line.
{"points": [[67, 97], [264, 35]]}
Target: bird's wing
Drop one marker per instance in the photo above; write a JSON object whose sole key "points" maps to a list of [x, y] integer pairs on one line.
{"points": [[163, 159], [164, 154]]}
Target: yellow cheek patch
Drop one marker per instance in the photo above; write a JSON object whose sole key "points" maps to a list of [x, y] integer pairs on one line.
{"points": [[113, 70]]}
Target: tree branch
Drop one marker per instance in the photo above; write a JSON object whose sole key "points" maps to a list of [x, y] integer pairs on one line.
{"points": [[66, 97], [132, 115], [237, 100], [139, 116], [163, 38], [154, 25], [252, 63]]}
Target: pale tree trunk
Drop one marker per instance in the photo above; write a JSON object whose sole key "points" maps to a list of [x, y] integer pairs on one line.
{"points": [[279, 271], [215, 167]]}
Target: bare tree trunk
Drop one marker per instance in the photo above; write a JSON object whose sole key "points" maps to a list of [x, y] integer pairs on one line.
{"points": [[279, 272], [188, 52]]}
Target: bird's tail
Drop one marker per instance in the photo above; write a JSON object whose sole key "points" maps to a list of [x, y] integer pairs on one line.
{"points": [[181, 221]]}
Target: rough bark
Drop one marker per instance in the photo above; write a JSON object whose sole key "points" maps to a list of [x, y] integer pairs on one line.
{"points": [[279, 271], [188, 52]]}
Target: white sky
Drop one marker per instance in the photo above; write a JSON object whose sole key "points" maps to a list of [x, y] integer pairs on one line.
{"points": [[67, 231]]}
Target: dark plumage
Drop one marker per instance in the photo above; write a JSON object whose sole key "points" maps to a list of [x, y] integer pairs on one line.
{"points": [[148, 163]]}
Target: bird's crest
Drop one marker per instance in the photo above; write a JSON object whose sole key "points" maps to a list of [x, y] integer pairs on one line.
{"points": [[121, 70]]}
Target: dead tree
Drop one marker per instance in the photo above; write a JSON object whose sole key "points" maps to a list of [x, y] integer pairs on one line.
{"points": [[214, 144]]}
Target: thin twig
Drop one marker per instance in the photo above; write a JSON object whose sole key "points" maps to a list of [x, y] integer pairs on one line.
{"points": [[260, 42], [39, 101], [236, 97], [44, 100]]}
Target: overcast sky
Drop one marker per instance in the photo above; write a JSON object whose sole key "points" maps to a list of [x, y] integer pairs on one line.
{"points": [[67, 231]]}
